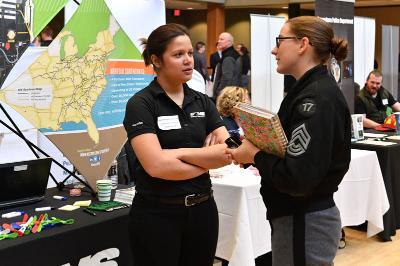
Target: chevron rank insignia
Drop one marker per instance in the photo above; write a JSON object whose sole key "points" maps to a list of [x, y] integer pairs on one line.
{"points": [[299, 141], [307, 107]]}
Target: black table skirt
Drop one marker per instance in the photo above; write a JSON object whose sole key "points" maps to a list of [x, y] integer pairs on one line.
{"points": [[103, 237], [389, 160]]}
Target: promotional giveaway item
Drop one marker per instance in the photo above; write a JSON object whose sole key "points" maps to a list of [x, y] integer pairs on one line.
{"points": [[107, 206], [357, 126], [388, 125], [60, 197], [104, 189], [397, 121], [34, 224]]}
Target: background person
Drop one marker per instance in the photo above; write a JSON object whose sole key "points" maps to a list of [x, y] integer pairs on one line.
{"points": [[229, 69], [46, 36], [244, 54], [200, 63], [173, 218], [375, 101], [227, 99], [297, 191], [214, 60]]}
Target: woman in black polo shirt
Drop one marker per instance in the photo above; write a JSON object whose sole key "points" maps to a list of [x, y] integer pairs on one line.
{"points": [[173, 219]]}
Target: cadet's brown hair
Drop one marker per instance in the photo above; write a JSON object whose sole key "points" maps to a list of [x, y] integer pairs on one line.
{"points": [[321, 37]]}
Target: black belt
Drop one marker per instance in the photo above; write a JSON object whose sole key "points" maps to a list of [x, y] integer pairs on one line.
{"points": [[188, 200]]}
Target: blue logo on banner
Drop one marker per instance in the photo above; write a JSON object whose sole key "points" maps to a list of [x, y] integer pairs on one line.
{"points": [[94, 159]]}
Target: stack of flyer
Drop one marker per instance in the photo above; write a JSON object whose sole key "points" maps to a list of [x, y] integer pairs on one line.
{"points": [[125, 195]]}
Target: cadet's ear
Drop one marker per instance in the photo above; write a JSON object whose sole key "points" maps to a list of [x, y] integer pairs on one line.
{"points": [[304, 44], [155, 61]]}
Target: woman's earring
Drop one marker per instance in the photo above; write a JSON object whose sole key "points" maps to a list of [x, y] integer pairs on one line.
{"points": [[335, 69]]}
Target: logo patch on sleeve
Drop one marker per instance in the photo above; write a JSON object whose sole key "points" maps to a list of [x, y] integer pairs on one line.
{"points": [[197, 114], [307, 107], [299, 141]]}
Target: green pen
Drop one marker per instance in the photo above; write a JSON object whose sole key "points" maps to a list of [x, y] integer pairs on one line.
{"points": [[89, 212]]}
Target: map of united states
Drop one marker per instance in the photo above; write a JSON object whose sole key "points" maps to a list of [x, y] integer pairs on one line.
{"points": [[75, 91], [63, 85]]}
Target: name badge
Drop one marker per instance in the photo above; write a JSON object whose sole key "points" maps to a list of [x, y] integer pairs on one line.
{"points": [[168, 122], [385, 101]]}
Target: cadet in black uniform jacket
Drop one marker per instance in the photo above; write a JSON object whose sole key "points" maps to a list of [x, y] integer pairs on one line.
{"points": [[298, 189]]}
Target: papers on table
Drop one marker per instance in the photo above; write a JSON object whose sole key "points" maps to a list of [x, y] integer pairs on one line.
{"points": [[68, 208], [82, 203], [374, 135], [394, 137], [376, 142]]}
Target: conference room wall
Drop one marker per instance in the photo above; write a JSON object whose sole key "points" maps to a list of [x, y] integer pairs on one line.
{"points": [[237, 22], [194, 20], [383, 16]]}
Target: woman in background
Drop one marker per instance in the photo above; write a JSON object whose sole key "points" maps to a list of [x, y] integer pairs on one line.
{"points": [[298, 189], [173, 218], [244, 54], [227, 99]]}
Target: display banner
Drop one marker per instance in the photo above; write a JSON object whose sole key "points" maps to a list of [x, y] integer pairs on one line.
{"points": [[15, 22], [76, 91], [340, 14], [266, 83], [43, 12]]}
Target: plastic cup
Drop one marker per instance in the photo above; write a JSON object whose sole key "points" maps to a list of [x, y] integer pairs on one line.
{"points": [[103, 190]]}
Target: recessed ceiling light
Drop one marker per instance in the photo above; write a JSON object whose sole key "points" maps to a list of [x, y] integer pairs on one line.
{"points": [[285, 7], [190, 8]]}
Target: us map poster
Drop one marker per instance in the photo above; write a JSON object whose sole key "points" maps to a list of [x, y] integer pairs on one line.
{"points": [[76, 92]]}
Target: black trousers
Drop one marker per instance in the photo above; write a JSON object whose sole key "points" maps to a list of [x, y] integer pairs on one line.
{"points": [[173, 235]]}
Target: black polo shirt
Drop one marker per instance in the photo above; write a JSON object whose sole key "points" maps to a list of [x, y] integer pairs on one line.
{"points": [[152, 111]]}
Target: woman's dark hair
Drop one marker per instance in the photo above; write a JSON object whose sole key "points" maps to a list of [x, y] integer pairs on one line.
{"points": [[243, 49], [321, 37], [159, 39]]}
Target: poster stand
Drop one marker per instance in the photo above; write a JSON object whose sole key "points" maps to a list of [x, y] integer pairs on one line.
{"points": [[34, 148]]}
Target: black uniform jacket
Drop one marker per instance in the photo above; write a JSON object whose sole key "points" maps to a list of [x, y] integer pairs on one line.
{"points": [[316, 120]]}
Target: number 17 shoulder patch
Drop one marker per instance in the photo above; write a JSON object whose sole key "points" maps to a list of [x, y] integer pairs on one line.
{"points": [[307, 107]]}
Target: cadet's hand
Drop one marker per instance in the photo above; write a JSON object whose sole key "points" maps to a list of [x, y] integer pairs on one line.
{"points": [[244, 153]]}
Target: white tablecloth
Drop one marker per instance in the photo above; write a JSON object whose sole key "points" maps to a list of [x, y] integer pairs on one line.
{"points": [[362, 195], [244, 232]]}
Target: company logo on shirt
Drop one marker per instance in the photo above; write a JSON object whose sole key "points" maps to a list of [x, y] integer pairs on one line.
{"points": [[197, 114]]}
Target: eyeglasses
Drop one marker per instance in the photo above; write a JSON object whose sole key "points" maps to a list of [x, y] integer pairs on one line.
{"points": [[279, 40]]}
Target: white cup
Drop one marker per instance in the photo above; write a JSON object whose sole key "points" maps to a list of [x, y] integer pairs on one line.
{"points": [[103, 190]]}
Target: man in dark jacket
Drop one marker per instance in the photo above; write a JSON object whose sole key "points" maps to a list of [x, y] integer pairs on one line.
{"points": [[375, 101], [229, 70], [214, 60]]}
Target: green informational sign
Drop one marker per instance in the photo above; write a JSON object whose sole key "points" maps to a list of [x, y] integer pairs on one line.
{"points": [[96, 14], [44, 11]]}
